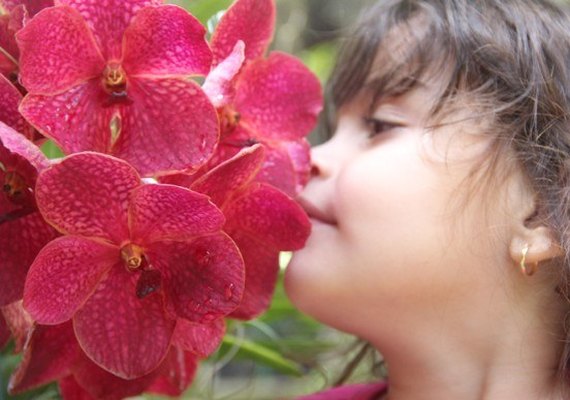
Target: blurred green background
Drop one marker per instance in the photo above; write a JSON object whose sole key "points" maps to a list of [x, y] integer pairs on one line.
{"points": [[283, 353]]}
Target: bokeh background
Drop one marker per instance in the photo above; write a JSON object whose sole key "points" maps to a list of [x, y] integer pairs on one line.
{"points": [[283, 353]]}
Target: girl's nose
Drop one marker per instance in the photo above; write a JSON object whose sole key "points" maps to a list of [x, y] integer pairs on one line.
{"points": [[320, 161]]}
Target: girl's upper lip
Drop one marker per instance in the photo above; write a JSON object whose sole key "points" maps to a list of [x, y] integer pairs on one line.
{"points": [[316, 212]]}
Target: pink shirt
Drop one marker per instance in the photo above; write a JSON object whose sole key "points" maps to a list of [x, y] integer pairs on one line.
{"points": [[366, 391]]}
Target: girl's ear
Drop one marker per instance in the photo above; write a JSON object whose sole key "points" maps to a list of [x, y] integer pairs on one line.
{"points": [[533, 245]]}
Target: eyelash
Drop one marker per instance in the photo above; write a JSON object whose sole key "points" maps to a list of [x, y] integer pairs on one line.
{"points": [[377, 126]]}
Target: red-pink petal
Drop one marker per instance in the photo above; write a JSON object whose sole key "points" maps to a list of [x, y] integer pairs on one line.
{"points": [[103, 385], [251, 21], [166, 40], [224, 180], [63, 276], [4, 332], [108, 20], [15, 143], [19, 323], [123, 334], [175, 374], [10, 98], [167, 212], [287, 166], [20, 241], [75, 119], [278, 97], [69, 389], [32, 6], [261, 271], [57, 52], [219, 83], [169, 114], [10, 53], [49, 354], [199, 339], [202, 279], [87, 194], [270, 216]]}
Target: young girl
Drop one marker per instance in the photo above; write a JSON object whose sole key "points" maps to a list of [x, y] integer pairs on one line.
{"points": [[441, 204]]}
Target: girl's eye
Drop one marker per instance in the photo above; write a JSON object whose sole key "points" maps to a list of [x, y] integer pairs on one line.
{"points": [[377, 126]]}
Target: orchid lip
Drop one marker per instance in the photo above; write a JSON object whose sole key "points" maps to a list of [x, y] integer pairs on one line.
{"points": [[316, 213]]}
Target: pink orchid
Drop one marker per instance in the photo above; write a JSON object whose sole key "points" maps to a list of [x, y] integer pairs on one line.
{"points": [[113, 77], [53, 353], [10, 98], [274, 101], [23, 231], [135, 258], [17, 14], [261, 220]]}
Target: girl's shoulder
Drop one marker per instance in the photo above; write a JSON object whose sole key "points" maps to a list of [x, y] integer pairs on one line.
{"points": [[365, 391]]}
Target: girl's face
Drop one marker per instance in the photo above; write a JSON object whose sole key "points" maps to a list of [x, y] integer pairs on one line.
{"points": [[397, 229]]}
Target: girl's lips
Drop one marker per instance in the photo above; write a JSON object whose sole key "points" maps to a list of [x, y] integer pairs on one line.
{"points": [[315, 212]]}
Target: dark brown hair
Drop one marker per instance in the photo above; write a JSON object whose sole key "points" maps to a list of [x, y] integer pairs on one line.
{"points": [[512, 57]]}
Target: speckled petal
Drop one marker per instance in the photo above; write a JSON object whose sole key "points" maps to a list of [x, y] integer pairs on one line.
{"points": [[200, 339], [175, 374], [166, 40], [49, 354], [9, 52], [219, 85], [19, 323], [75, 119], [169, 114], [203, 279], [278, 97], [224, 180], [167, 212], [12, 142], [269, 215], [63, 276], [20, 241], [108, 20], [287, 165], [251, 21], [87, 194], [261, 271], [10, 98], [32, 6], [49, 58], [123, 334], [103, 385]]}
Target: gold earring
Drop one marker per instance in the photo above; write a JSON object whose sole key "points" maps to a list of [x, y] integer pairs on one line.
{"points": [[528, 271]]}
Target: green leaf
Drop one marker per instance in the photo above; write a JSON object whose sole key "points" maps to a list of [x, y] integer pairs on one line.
{"points": [[203, 9], [264, 355]]}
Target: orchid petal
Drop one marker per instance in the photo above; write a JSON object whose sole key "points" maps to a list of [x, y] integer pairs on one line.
{"points": [[9, 52], [287, 166], [69, 389], [108, 20], [74, 119], [261, 272], [4, 332], [49, 354], [49, 60], [200, 339], [63, 276], [166, 40], [168, 114], [10, 98], [163, 212], [270, 216], [224, 180], [20, 241], [237, 23], [19, 323], [219, 83], [32, 6], [203, 279], [103, 385], [123, 334], [278, 97], [175, 373], [16, 144], [87, 194]]}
